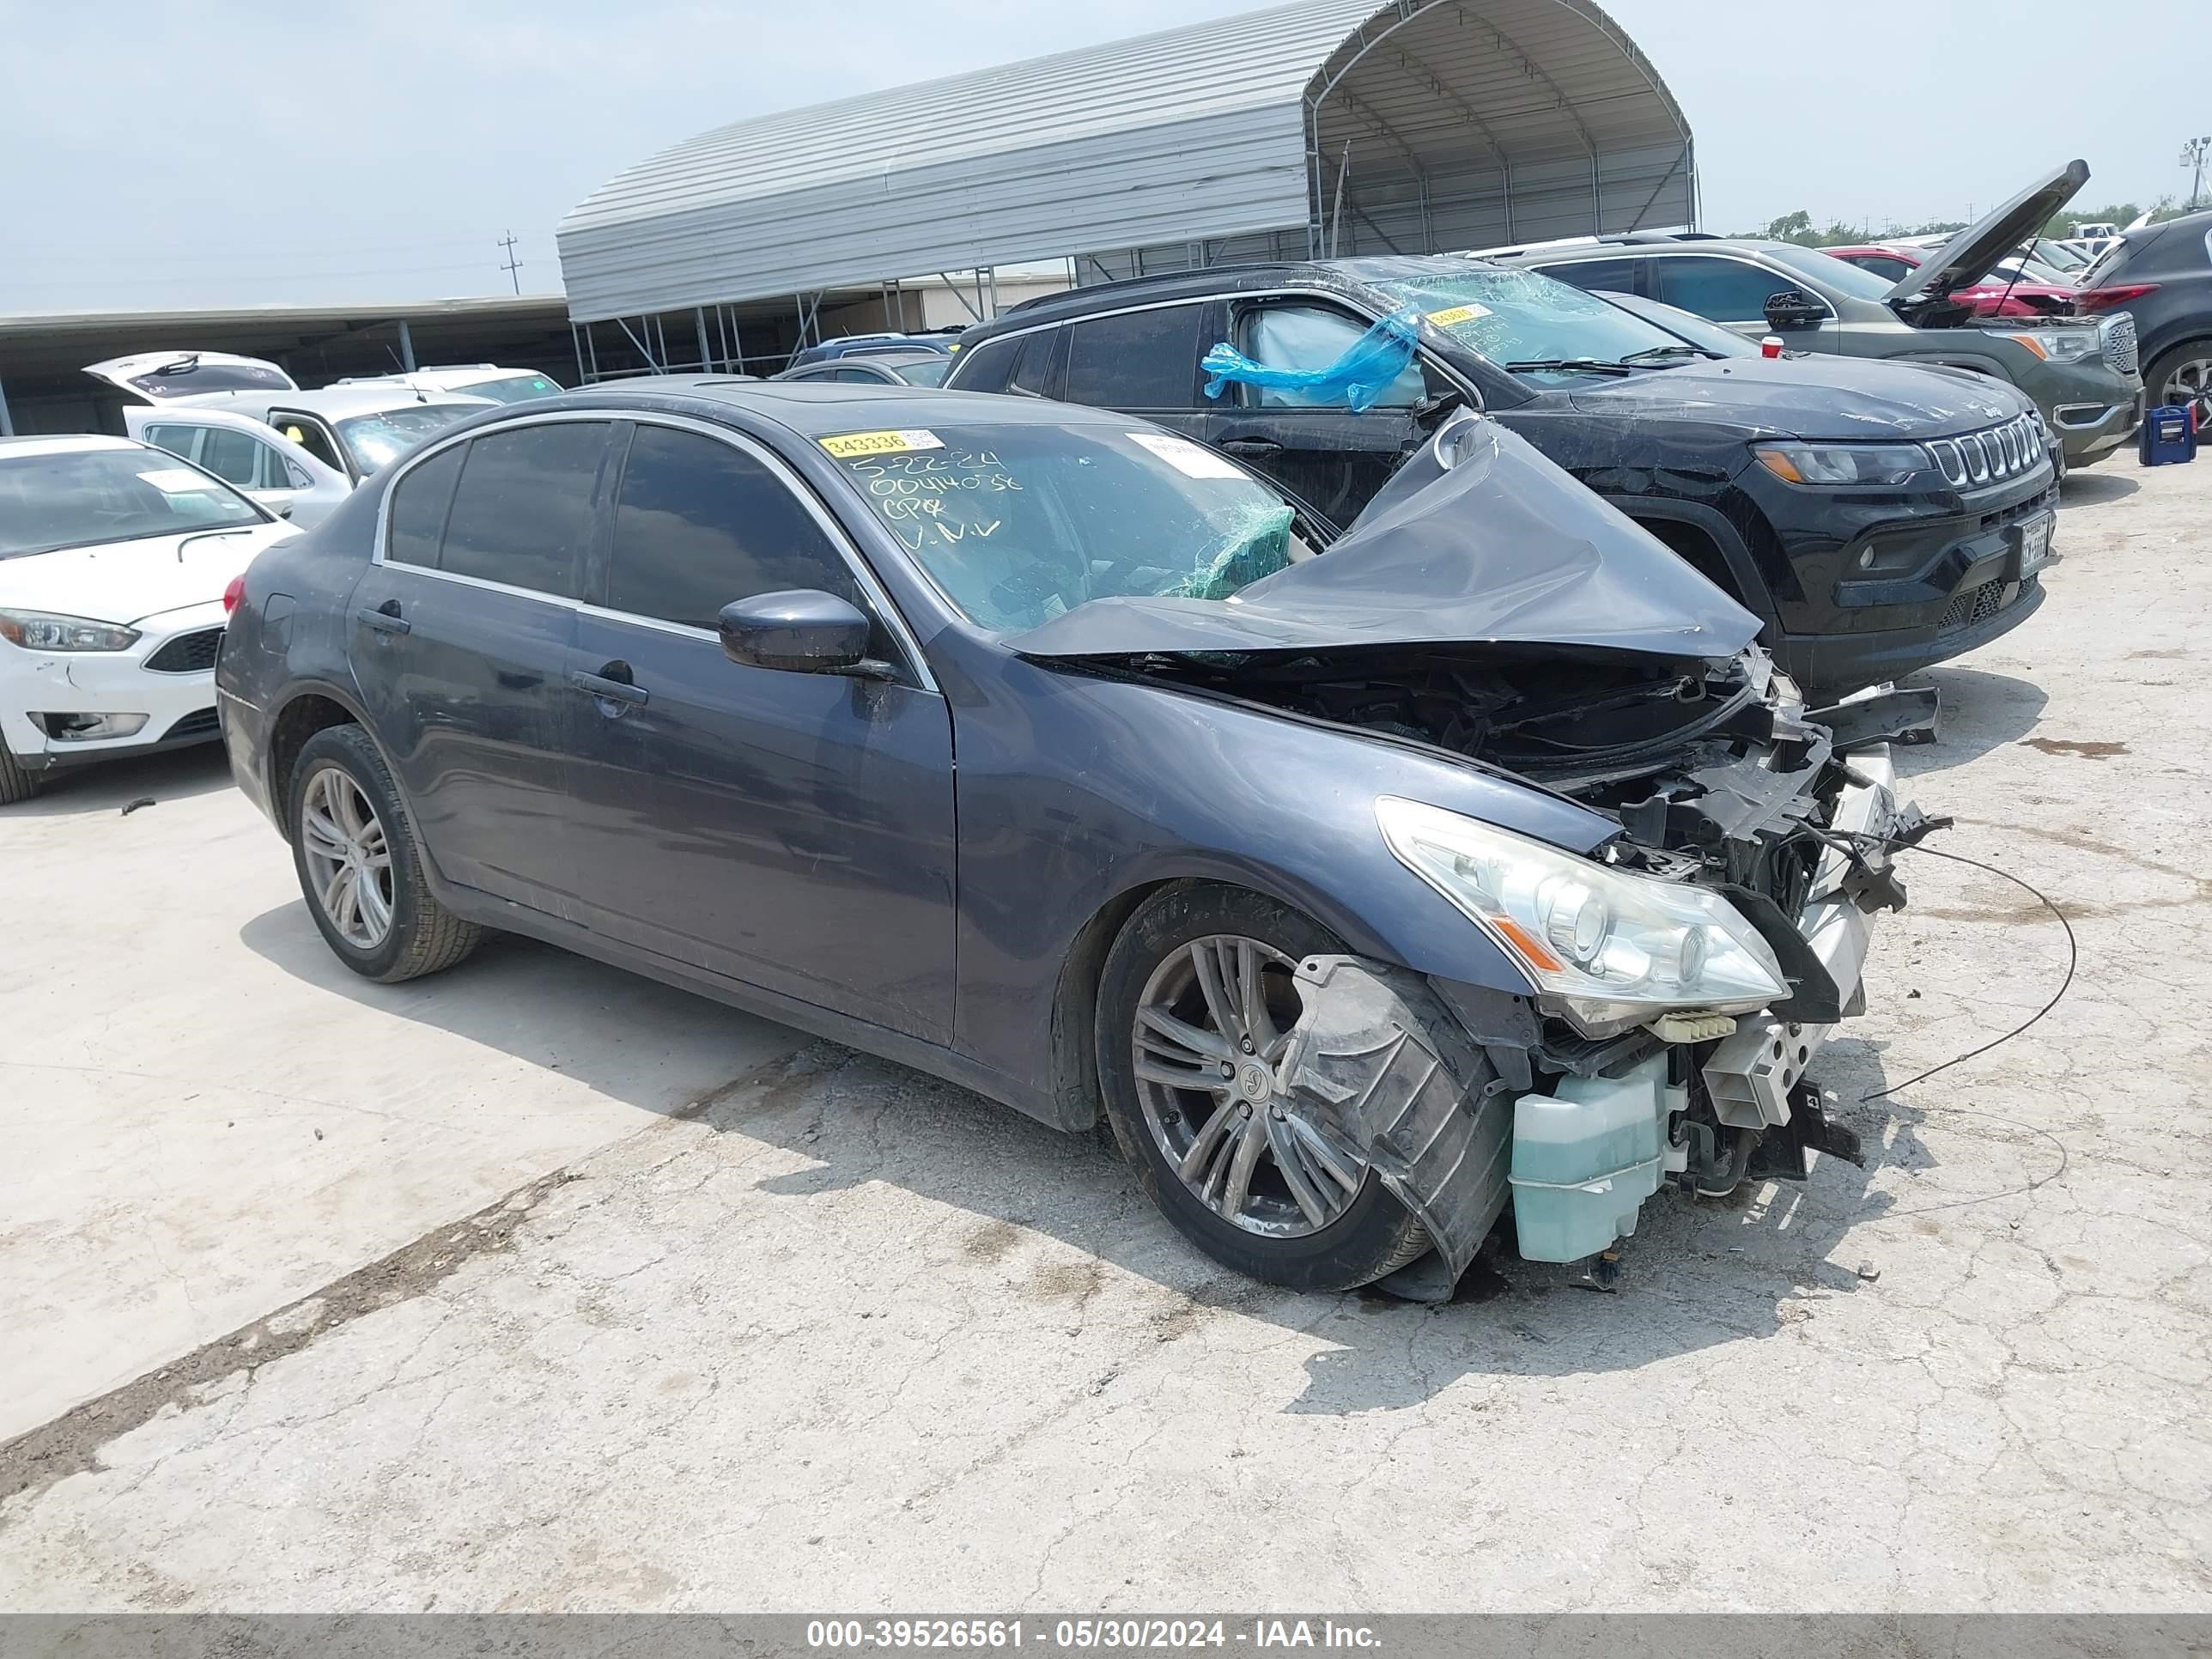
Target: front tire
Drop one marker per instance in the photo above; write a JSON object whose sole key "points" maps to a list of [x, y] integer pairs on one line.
{"points": [[15, 783], [360, 867], [1195, 1007]]}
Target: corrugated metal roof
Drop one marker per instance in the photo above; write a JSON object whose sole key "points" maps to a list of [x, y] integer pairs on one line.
{"points": [[1195, 133]]}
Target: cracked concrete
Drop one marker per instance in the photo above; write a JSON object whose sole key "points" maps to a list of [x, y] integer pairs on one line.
{"points": [[846, 1337]]}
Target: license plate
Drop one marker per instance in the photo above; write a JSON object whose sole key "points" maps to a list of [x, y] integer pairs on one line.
{"points": [[2034, 544]]}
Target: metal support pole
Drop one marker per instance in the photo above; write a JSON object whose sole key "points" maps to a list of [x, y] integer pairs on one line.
{"points": [[7, 420], [406, 346], [593, 346], [699, 316], [576, 343]]}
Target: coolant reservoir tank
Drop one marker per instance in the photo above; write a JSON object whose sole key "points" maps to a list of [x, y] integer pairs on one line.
{"points": [[1585, 1157]]}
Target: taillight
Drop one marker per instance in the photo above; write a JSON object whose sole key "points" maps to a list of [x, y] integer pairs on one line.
{"points": [[233, 594], [2105, 299]]}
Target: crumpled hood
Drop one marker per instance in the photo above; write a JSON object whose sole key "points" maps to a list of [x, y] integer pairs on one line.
{"points": [[1822, 397], [1476, 539], [129, 581]]}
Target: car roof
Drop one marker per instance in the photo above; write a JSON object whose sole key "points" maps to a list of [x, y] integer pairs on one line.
{"points": [[889, 359], [1340, 274], [70, 444], [822, 408], [340, 402]]}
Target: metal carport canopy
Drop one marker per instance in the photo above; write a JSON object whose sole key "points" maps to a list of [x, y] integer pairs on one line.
{"points": [[1458, 121]]}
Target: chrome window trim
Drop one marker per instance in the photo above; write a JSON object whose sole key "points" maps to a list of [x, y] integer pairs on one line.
{"points": [[916, 664]]}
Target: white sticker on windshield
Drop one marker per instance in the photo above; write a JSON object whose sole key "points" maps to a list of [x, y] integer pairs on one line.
{"points": [[175, 480], [1192, 460]]}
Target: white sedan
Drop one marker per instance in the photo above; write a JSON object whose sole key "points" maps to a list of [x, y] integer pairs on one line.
{"points": [[114, 559]]}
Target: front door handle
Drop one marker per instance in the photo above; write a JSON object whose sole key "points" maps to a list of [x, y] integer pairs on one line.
{"points": [[1253, 446], [608, 690], [384, 618]]}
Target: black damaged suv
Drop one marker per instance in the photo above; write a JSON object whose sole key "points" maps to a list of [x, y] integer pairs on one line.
{"points": [[1877, 517]]}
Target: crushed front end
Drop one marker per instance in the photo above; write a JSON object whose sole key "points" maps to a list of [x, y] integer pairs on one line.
{"points": [[1791, 817], [1684, 973]]}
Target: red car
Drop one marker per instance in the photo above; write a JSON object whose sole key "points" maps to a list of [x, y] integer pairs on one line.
{"points": [[1992, 297]]}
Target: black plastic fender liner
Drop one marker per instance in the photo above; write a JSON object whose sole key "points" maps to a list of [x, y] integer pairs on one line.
{"points": [[1384, 1068]]}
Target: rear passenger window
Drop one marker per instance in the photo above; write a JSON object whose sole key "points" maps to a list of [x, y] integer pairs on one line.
{"points": [[231, 456], [1612, 275], [700, 523], [987, 367], [177, 439], [522, 511], [1139, 360], [1037, 372], [419, 502]]}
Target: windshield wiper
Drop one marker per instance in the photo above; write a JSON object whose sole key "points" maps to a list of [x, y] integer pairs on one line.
{"points": [[1595, 366], [1664, 351]]}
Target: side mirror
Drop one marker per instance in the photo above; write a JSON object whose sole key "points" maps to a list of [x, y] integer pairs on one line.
{"points": [[802, 631], [1794, 308]]}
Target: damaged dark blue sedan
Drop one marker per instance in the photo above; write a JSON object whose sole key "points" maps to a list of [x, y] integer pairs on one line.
{"points": [[1371, 885]]}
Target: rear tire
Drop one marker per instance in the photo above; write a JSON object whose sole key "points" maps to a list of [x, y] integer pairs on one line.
{"points": [[1322, 1223], [360, 866], [15, 783], [2183, 374]]}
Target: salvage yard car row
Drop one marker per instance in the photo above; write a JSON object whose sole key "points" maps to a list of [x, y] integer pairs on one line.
{"points": [[1417, 771]]}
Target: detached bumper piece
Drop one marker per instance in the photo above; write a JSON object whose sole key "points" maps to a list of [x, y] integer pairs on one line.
{"points": [[1391, 1078]]}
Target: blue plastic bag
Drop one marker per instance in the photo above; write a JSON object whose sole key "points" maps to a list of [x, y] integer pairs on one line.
{"points": [[1363, 373]]}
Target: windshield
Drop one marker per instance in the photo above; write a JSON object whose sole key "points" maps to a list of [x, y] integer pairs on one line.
{"points": [[1523, 321], [1844, 277], [376, 440], [87, 497], [513, 388], [186, 376], [1706, 337], [1017, 525], [930, 371]]}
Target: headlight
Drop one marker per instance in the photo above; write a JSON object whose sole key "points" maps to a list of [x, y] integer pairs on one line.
{"points": [[1842, 463], [35, 630], [1613, 947], [2062, 345]]}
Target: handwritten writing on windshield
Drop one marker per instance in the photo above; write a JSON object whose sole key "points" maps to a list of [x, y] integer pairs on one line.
{"points": [[942, 496]]}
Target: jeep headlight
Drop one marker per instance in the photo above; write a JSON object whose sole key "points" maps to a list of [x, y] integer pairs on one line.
{"points": [[1843, 464], [1610, 946]]}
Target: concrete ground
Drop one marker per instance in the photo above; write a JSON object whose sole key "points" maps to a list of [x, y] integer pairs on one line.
{"points": [[535, 1286]]}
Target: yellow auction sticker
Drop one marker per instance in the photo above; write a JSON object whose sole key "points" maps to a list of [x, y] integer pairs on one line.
{"points": [[1466, 313], [881, 443]]}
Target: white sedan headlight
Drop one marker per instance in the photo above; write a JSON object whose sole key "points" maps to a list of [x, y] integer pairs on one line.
{"points": [[1611, 946], [36, 630]]}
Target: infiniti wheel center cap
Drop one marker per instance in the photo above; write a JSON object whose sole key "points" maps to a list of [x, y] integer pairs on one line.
{"points": [[1253, 1082]]}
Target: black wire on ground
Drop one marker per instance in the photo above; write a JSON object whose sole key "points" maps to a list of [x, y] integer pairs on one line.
{"points": [[1888, 1090]]}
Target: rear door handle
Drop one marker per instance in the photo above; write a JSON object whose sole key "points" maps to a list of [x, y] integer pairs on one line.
{"points": [[1253, 446], [609, 690], [386, 618]]}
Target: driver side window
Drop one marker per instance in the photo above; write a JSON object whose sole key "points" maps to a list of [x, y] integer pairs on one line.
{"points": [[1312, 337], [1721, 290]]}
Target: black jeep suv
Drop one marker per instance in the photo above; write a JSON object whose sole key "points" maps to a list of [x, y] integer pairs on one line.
{"points": [[1877, 517]]}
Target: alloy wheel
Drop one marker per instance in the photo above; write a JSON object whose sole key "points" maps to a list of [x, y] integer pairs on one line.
{"points": [[349, 858], [1214, 1057], [2190, 382]]}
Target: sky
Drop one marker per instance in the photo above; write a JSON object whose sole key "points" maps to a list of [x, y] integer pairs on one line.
{"points": [[218, 152]]}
